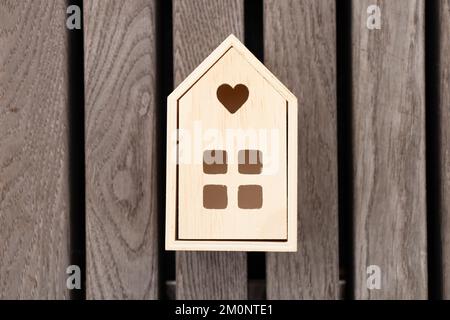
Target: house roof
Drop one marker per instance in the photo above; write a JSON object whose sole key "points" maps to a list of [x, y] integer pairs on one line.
{"points": [[231, 42]]}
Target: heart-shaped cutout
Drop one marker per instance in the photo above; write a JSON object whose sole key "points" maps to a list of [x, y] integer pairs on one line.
{"points": [[232, 98]]}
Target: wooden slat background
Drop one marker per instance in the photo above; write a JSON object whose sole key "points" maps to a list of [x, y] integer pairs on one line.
{"points": [[388, 182], [34, 176], [121, 200], [294, 33], [444, 125], [389, 149]]}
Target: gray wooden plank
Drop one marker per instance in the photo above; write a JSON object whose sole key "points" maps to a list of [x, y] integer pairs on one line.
{"points": [[34, 201], [199, 26], [120, 126], [389, 150], [211, 275], [444, 113], [300, 49]]}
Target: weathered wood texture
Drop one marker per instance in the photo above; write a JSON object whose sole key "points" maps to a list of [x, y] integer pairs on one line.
{"points": [[389, 149], [199, 26], [34, 201], [120, 125], [444, 113], [300, 49]]}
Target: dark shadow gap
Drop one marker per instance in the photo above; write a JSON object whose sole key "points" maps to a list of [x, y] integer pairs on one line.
{"points": [[254, 27], [254, 40], [76, 152], [433, 141], [345, 142], [164, 86]]}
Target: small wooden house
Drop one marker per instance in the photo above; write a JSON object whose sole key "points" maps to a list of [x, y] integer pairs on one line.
{"points": [[231, 157]]}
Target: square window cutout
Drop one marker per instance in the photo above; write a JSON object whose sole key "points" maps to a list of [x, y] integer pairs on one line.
{"points": [[250, 197], [250, 161], [215, 161], [215, 196]]}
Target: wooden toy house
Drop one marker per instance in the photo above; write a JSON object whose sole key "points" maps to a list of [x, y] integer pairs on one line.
{"points": [[231, 157]]}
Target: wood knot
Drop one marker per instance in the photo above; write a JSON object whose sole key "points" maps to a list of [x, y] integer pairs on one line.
{"points": [[123, 184], [145, 101]]}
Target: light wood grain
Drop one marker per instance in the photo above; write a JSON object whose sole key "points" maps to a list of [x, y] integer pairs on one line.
{"points": [[121, 204], [389, 150], [34, 202], [199, 26], [444, 113], [264, 110], [299, 48]]}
